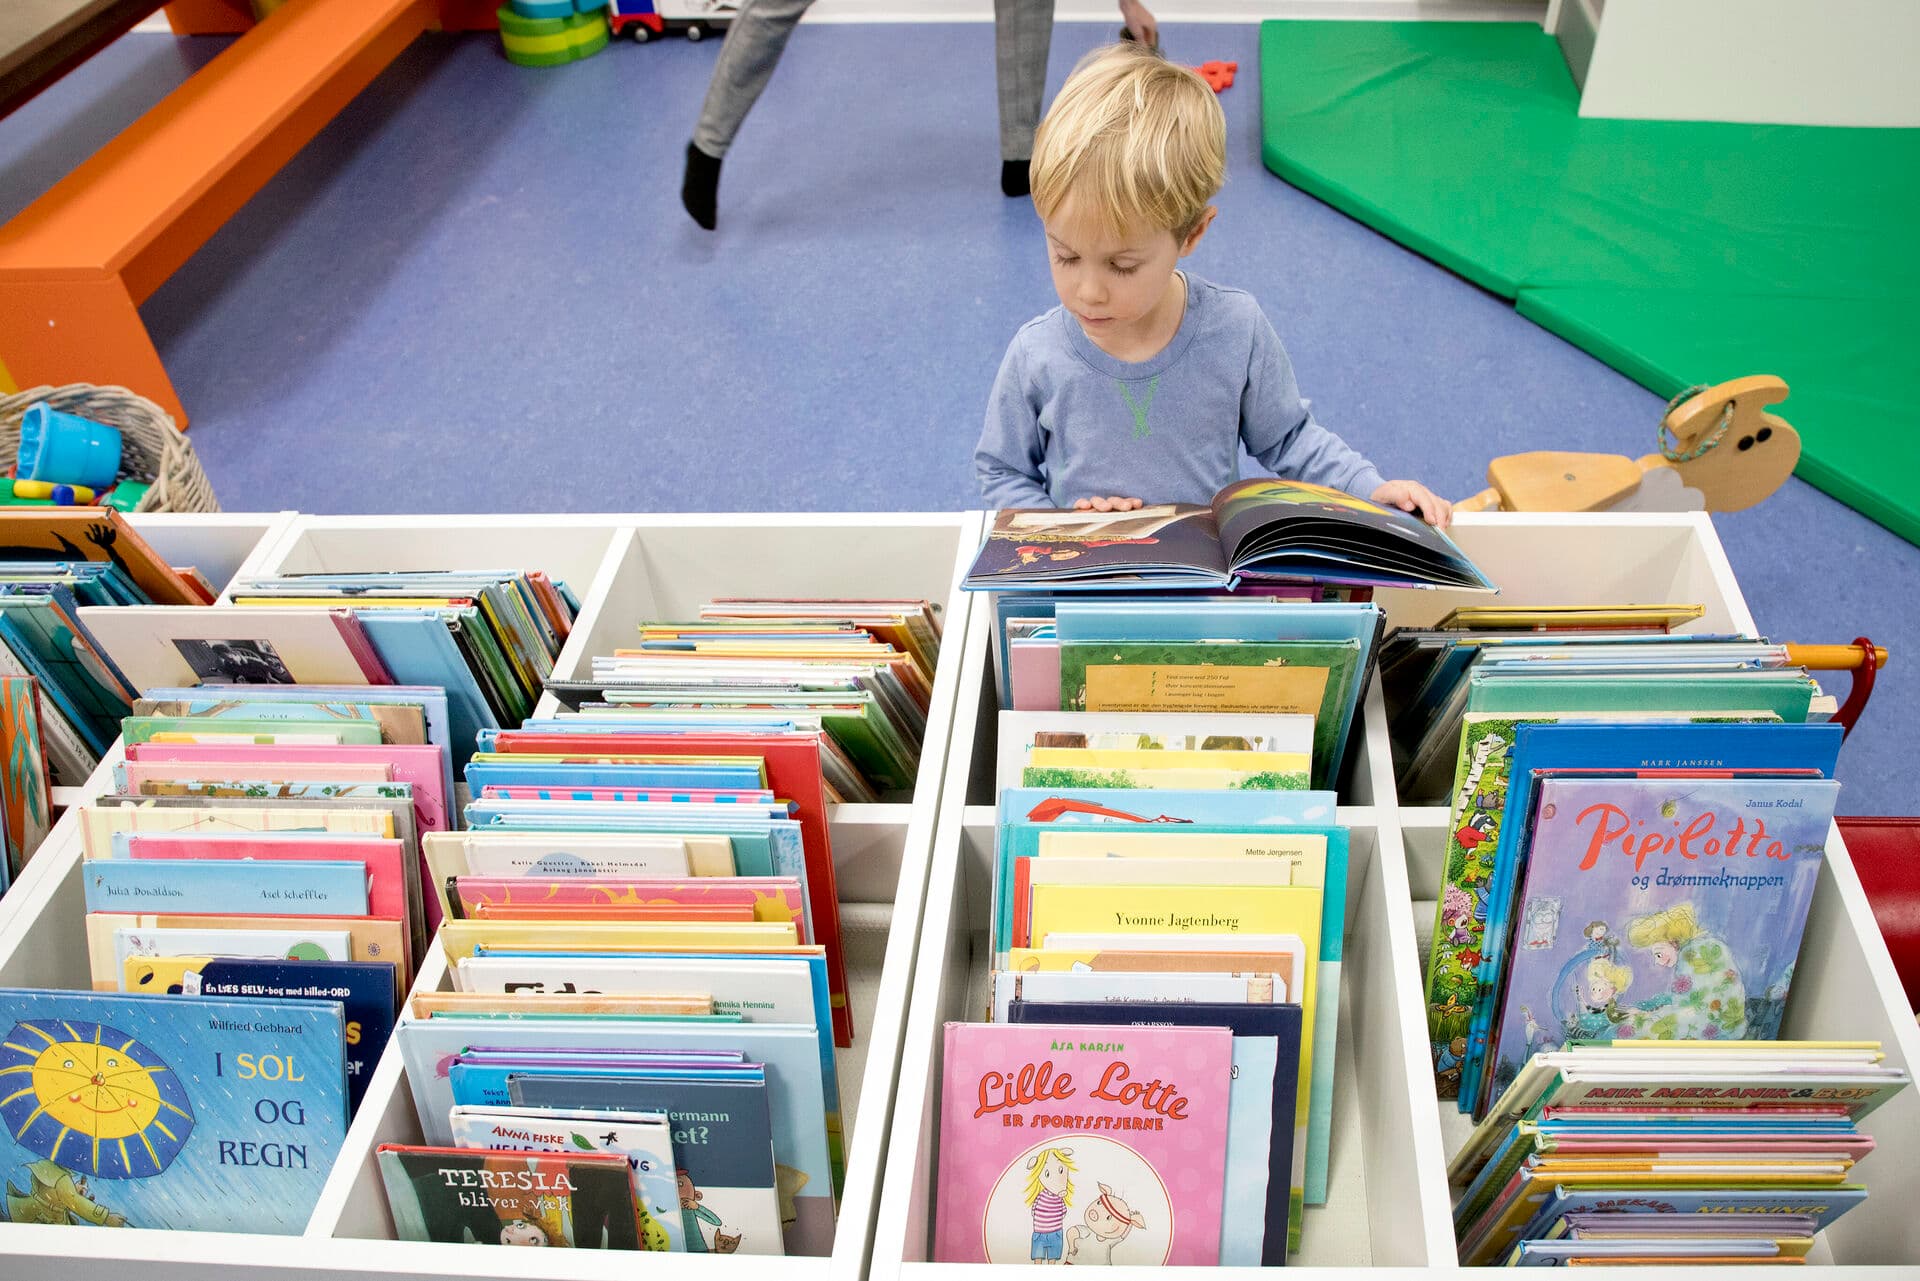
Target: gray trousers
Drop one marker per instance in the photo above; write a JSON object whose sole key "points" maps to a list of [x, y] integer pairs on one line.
{"points": [[1023, 29]]}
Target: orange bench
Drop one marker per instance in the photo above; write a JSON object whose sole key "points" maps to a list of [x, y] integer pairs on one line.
{"points": [[76, 264]]}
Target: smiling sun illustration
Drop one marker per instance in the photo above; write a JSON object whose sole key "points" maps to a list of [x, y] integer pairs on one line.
{"points": [[92, 1098]]}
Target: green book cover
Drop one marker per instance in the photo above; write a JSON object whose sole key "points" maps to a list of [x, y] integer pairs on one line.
{"points": [[143, 729], [1317, 678], [1787, 693]]}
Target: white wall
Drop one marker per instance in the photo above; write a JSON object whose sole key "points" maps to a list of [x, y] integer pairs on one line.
{"points": [[1802, 62]]}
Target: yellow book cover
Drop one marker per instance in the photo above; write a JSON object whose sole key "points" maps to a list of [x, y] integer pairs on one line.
{"points": [[450, 854], [458, 939], [1543, 617], [98, 824]]}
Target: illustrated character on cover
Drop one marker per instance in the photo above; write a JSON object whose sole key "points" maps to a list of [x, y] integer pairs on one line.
{"points": [[1705, 997], [1109, 1220], [73, 1093], [1448, 1064], [693, 1214], [1456, 908], [1048, 1195], [523, 1232], [1598, 1015], [1541, 924]]}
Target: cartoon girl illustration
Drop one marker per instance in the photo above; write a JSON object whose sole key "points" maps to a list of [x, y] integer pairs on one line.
{"points": [[693, 1214], [523, 1232], [1048, 1194], [1705, 997], [1109, 1220]]}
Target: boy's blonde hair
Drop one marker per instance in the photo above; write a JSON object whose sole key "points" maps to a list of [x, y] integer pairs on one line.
{"points": [[1140, 138]]}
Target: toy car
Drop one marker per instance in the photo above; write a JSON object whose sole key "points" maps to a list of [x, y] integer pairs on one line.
{"points": [[642, 20]]}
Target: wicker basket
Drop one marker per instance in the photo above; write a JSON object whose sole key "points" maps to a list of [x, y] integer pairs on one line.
{"points": [[152, 448]]}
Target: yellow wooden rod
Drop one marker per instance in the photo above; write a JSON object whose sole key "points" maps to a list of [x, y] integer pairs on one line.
{"points": [[1832, 658]]}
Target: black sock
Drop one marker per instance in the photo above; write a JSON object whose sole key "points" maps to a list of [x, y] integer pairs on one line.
{"points": [[1014, 179], [700, 188]]}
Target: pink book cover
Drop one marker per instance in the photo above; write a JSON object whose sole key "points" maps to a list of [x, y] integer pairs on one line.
{"points": [[386, 874], [139, 772], [1035, 676], [418, 764], [1083, 1145], [772, 898], [697, 795]]}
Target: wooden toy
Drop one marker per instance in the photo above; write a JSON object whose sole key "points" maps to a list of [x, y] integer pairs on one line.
{"points": [[1719, 451]]}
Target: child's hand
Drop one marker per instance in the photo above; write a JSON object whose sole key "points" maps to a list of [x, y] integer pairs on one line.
{"points": [[1411, 495], [1106, 504]]}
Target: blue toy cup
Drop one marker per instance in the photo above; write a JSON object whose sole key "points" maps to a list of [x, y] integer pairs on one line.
{"points": [[67, 448]]}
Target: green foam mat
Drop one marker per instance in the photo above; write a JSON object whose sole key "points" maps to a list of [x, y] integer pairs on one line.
{"points": [[1678, 253]]}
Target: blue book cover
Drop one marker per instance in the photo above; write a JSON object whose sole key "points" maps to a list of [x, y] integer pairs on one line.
{"points": [[363, 988], [790, 1052], [722, 1146], [761, 847], [418, 649], [720, 776], [267, 887], [482, 1078], [1664, 909], [1572, 746], [156, 1112], [1266, 1067]]}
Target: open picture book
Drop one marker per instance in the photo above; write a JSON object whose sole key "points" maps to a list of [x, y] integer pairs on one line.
{"points": [[1253, 529]]}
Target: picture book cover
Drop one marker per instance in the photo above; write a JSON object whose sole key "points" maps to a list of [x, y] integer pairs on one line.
{"points": [[150, 1112], [370, 938], [1154, 768], [1460, 915], [99, 823], [95, 534], [1320, 679], [131, 943], [422, 766], [462, 1196], [1538, 747], [644, 1140], [364, 990], [156, 646], [790, 1052], [333, 888], [1084, 1144], [728, 1194], [1258, 988], [769, 898], [1020, 732], [393, 706], [1262, 529], [1660, 909], [1260, 1141]]}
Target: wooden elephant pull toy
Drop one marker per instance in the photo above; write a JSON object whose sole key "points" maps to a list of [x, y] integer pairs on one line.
{"points": [[1719, 451]]}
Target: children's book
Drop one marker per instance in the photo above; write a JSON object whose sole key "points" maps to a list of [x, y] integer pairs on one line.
{"points": [[644, 1139], [192, 729], [1255, 988], [334, 888], [369, 939], [1082, 767], [1660, 909], [1084, 1144], [791, 1054], [1020, 732], [1320, 679], [99, 823], [1540, 748], [27, 799], [1260, 1164], [150, 944], [421, 766], [156, 646], [722, 1149], [1253, 529], [155, 1112], [766, 898], [463, 1196], [364, 990]]}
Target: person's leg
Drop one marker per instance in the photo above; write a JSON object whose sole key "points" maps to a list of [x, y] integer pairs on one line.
{"points": [[755, 41], [1022, 32]]}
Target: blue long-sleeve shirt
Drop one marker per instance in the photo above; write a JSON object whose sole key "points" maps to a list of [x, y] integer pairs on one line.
{"points": [[1068, 421]]}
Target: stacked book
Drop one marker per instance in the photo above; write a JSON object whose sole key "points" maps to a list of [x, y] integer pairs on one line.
{"points": [[857, 673], [61, 700], [1154, 1081], [487, 638], [254, 911], [1683, 1152], [644, 942]]}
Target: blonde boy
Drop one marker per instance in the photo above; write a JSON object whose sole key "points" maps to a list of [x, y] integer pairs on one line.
{"points": [[1144, 382]]}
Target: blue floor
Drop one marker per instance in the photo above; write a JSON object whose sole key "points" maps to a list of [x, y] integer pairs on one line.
{"points": [[476, 291]]}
